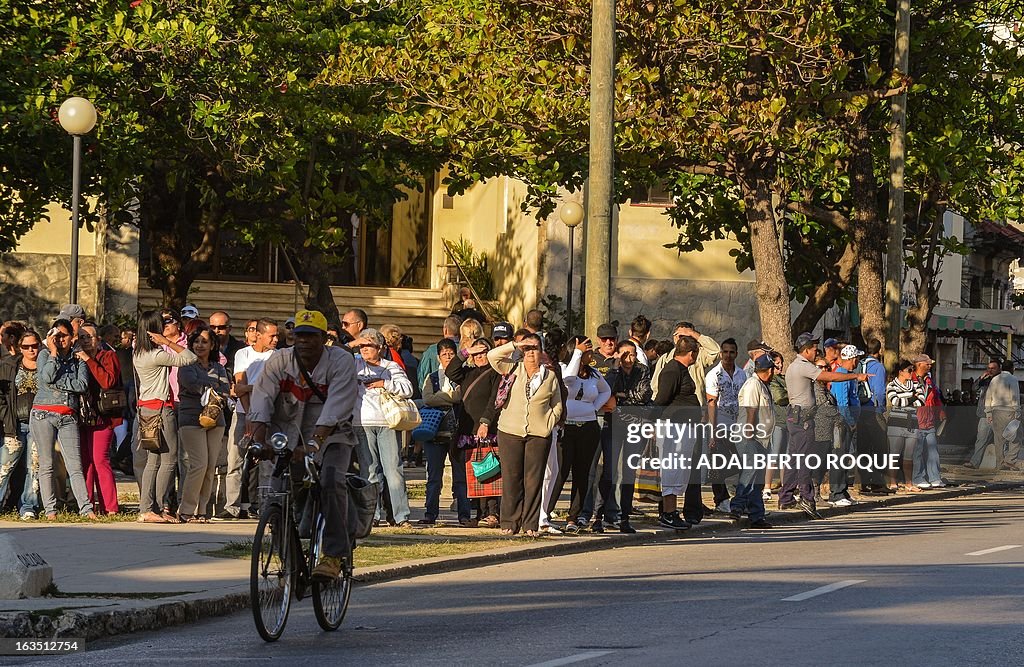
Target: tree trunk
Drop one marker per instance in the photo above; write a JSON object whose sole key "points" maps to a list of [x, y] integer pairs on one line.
{"points": [[869, 233], [928, 261], [772, 288], [824, 297]]}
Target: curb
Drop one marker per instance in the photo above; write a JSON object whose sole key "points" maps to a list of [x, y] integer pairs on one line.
{"points": [[100, 624]]}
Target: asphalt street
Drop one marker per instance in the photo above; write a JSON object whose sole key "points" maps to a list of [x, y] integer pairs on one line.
{"points": [[931, 583]]}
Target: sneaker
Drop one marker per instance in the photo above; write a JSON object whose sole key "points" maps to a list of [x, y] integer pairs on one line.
{"points": [[425, 522], [583, 522], [924, 485], [608, 523], [469, 523], [597, 526], [624, 527], [550, 530], [762, 524], [28, 516], [723, 507], [328, 569], [939, 485], [766, 495], [571, 528], [225, 516], [842, 502], [672, 520], [807, 508]]}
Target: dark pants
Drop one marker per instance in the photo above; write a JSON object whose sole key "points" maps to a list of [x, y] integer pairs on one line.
{"points": [[801, 441], [577, 449], [436, 453], [693, 502], [611, 452], [839, 477], [873, 440], [522, 476], [334, 498]]}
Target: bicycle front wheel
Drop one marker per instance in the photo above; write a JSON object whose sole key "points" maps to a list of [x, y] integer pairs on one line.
{"points": [[330, 600], [270, 581]]}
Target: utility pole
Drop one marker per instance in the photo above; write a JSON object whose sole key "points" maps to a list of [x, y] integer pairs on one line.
{"points": [[897, 161], [601, 183]]}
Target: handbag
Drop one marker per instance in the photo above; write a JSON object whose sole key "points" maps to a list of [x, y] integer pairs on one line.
{"points": [[23, 406], [648, 482], [431, 419], [362, 505], [112, 402], [488, 468], [151, 431], [399, 413], [212, 410], [478, 488]]}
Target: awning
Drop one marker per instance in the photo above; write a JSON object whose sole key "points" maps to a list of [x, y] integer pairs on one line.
{"points": [[944, 323], [977, 320], [965, 320]]}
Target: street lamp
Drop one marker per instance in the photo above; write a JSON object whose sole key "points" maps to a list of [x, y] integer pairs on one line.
{"points": [[77, 116], [571, 213]]}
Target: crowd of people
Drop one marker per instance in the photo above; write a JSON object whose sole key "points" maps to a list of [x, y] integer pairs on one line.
{"points": [[166, 402]]}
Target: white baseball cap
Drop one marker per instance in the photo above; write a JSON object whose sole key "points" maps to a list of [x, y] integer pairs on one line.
{"points": [[190, 311], [850, 352]]}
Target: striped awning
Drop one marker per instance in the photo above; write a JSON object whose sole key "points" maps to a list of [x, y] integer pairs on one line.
{"points": [[948, 323]]}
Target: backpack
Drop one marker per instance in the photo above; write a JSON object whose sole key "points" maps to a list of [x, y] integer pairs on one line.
{"points": [[864, 393]]}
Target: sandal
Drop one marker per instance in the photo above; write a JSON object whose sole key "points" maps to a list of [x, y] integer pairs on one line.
{"points": [[490, 522], [532, 533], [507, 531]]}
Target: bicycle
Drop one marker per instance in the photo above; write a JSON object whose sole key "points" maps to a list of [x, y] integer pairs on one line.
{"points": [[280, 565]]}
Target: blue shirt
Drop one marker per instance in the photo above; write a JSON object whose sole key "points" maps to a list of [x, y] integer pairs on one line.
{"points": [[877, 383], [846, 398]]}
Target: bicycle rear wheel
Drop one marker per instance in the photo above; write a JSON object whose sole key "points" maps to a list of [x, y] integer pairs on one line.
{"points": [[330, 600], [270, 581]]}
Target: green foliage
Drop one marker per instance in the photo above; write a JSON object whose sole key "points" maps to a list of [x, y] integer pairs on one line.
{"points": [[208, 116], [556, 314], [474, 266]]}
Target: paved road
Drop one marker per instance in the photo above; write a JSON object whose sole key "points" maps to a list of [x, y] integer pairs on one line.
{"points": [[917, 585]]}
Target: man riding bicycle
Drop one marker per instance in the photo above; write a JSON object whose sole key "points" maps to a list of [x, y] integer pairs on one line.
{"points": [[308, 392]]}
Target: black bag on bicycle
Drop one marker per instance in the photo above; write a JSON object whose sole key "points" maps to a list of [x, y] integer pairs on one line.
{"points": [[362, 505]]}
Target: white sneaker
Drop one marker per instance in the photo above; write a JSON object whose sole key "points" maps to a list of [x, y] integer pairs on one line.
{"points": [[924, 485], [724, 507], [550, 530], [939, 485], [766, 495], [842, 502], [28, 516]]}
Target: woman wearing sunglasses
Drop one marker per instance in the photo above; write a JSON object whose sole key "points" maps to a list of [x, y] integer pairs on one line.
{"points": [[531, 407], [17, 392], [62, 379]]}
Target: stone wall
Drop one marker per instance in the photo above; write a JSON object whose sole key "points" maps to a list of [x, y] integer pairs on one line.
{"points": [[720, 309], [33, 286]]}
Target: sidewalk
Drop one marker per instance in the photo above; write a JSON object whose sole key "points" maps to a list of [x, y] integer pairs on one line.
{"points": [[125, 577]]}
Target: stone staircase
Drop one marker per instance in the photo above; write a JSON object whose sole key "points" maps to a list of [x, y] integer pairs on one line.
{"points": [[419, 312]]}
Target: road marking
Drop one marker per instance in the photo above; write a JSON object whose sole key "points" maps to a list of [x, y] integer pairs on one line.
{"points": [[1005, 547], [568, 660], [822, 590]]}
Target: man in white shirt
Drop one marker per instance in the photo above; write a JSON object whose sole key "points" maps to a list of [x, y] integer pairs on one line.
{"points": [[722, 387], [1002, 405], [248, 365], [757, 411]]}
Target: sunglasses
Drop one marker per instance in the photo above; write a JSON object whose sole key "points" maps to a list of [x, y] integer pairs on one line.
{"points": [[289, 326], [30, 347], [530, 348], [376, 347], [169, 321], [348, 324], [250, 328], [220, 327]]}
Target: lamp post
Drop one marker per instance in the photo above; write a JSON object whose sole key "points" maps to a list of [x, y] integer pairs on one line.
{"points": [[77, 116], [571, 213]]}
